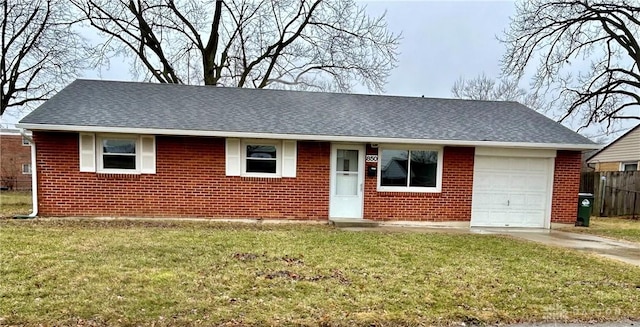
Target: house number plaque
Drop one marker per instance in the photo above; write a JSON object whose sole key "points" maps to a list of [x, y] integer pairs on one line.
{"points": [[371, 158]]}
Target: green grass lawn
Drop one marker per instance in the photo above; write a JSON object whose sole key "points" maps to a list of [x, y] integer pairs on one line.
{"points": [[14, 203], [620, 228], [165, 273]]}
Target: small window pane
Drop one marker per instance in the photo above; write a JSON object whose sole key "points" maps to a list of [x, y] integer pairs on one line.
{"points": [[347, 160], [394, 167], [346, 184], [119, 146], [424, 166], [261, 151], [26, 168], [119, 162], [261, 166]]}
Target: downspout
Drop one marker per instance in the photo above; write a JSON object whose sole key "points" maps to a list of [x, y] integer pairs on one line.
{"points": [[603, 185], [34, 181]]}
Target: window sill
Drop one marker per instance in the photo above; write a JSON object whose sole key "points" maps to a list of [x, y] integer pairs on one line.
{"points": [[119, 171], [268, 176], [408, 190], [261, 179], [118, 176], [409, 194]]}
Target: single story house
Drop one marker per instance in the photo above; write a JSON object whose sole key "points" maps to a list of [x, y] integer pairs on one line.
{"points": [[623, 154], [107, 148]]}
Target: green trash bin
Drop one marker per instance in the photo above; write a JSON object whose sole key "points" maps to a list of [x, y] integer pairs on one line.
{"points": [[585, 202]]}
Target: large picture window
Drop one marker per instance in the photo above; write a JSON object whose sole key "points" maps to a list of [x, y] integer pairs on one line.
{"points": [[414, 170]]}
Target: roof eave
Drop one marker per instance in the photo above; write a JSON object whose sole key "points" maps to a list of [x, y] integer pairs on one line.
{"points": [[302, 137]]}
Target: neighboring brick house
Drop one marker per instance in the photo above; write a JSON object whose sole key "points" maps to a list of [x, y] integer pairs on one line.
{"points": [[157, 150], [623, 154], [15, 161]]}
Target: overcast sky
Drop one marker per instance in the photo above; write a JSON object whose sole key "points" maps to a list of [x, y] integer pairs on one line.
{"points": [[442, 40]]}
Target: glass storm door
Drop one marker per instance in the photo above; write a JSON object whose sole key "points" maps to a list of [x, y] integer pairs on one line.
{"points": [[347, 181]]}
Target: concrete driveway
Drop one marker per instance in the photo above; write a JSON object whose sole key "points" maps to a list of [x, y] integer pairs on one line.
{"points": [[618, 250]]}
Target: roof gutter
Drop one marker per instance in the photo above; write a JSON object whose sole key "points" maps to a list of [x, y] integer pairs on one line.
{"points": [[34, 181], [303, 137]]}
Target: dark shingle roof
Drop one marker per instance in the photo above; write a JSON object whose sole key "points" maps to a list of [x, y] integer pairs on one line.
{"points": [[206, 108]]}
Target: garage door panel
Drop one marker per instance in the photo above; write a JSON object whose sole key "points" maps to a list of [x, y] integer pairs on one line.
{"points": [[499, 181], [519, 182], [511, 192], [518, 200], [526, 218], [516, 165], [528, 182], [537, 165], [538, 182], [526, 200], [489, 163], [536, 201], [492, 181], [493, 199], [493, 219]]}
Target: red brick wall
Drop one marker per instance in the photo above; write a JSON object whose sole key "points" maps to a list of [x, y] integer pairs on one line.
{"points": [[452, 204], [190, 182], [12, 156], [566, 185]]}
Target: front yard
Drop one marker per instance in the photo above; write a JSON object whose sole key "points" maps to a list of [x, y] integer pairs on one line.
{"points": [[618, 228], [167, 273]]}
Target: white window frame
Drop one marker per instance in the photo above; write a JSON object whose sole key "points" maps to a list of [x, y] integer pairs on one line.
{"points": [[413, 189], [243, 157], [100, 154], [28, 172], [25, 141], [624, 164]]}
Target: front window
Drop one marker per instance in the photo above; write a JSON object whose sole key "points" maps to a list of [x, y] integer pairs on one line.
{"points": [[118, 154], [414, 170], [261, 159], [26, 169]]}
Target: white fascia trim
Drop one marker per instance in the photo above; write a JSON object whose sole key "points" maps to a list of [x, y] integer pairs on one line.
{"points": [[303, 137]]}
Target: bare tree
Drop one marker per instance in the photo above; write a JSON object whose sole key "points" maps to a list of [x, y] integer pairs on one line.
{"points": [[40, 51], [482, 87], [9, 174], [588, 51], [302, 44]]}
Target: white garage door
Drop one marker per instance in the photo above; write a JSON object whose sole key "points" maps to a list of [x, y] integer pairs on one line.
{"points": [[511, 191]]}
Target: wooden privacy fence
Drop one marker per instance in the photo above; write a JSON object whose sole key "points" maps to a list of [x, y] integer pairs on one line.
{"points": [[617, 193]]}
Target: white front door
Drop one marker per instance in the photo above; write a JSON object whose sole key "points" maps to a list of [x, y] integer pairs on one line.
{"points": [[347, 181]]}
